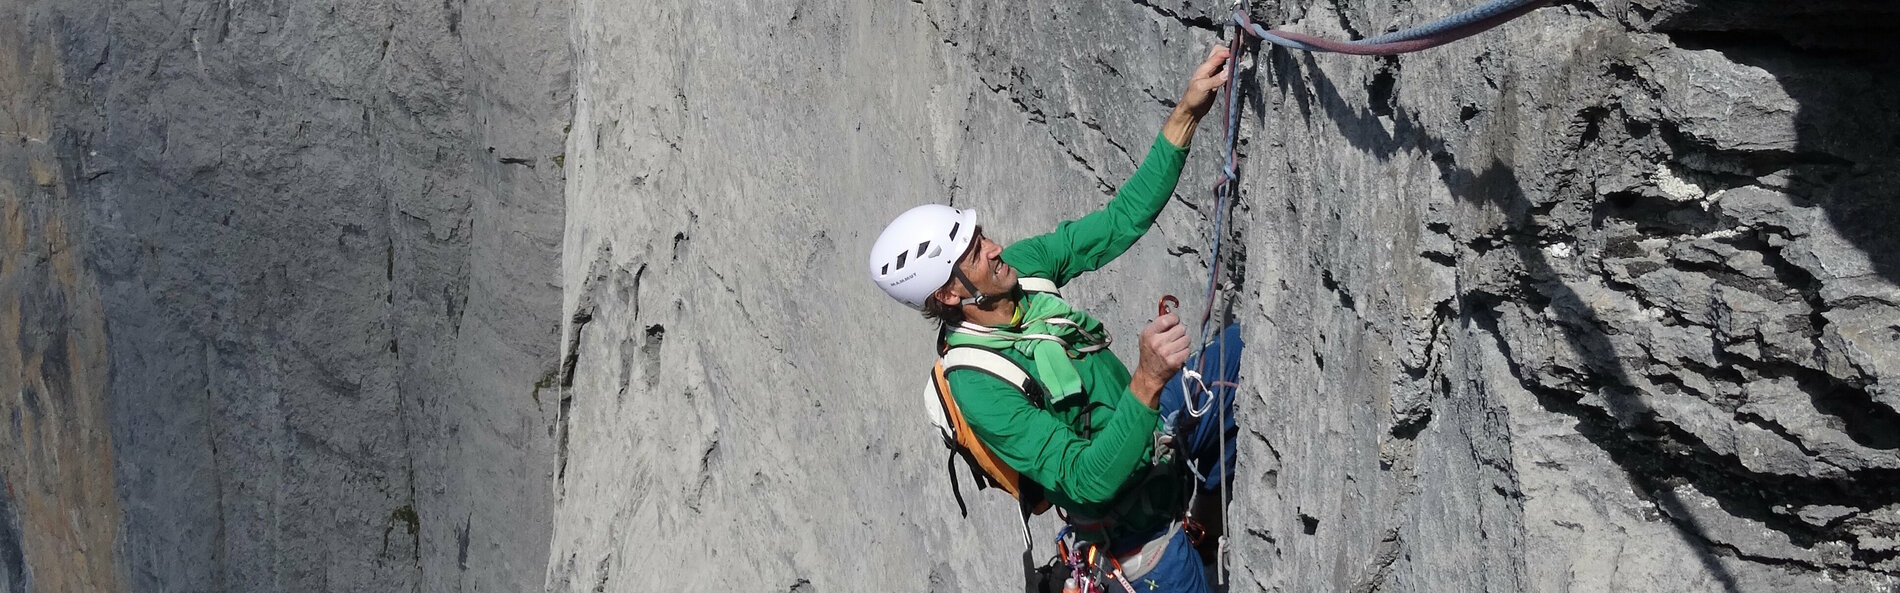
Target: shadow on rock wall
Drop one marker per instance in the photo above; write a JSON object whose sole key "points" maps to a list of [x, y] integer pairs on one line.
{"points": [[1835, 60], [1629, 397], [12, 560]]}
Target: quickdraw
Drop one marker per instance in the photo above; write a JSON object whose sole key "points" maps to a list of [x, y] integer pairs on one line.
{"points": [[1092, 570]]}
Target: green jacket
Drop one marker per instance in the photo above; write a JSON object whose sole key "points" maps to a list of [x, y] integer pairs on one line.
{"points": [[1085, 477]]}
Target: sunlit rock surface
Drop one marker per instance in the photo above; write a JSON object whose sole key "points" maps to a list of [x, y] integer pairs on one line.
{"points": [[506, 296]]}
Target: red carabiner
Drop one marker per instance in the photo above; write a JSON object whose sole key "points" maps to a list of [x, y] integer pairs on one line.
{"points": [[1168, 305]]}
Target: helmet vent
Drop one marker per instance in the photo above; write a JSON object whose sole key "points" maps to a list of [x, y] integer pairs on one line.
{"points": [[900, 259], [921, 247], [954, 227], [886, 271]]}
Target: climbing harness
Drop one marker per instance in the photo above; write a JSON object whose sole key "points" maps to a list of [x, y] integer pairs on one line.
{"points": [[1093, 569]]}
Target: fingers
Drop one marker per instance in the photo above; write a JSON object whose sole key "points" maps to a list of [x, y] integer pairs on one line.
{"points": [[1212, 64], [1217, 55], [1169, 341], [1164, 322], [1165, 344], [1209, 86], [1216, 61]]}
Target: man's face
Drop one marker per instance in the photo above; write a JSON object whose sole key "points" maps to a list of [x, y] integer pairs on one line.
{"points": [[983, 265]]}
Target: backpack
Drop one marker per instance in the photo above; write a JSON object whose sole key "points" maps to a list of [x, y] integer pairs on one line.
{"points": [[986, 469]]}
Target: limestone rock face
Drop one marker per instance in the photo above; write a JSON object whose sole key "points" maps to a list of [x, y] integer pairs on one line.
{"points": [[279, 284], [1598, 300], [511, 295], [1630, 257]]}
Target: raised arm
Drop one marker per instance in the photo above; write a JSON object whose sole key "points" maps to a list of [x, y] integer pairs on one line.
{"points": [[1085, 244]]}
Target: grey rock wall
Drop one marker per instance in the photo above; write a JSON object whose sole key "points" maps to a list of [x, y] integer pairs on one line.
{"points": [[279, 286], [312, 297], [1597, 301], [742, 408], [1594, 301]]}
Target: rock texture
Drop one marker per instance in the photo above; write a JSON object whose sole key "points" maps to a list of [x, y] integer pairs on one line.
{"points": [[279, 284], [741, 407], [312, 297], [1598, 300]]}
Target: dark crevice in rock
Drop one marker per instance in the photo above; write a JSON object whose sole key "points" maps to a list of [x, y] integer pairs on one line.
{"points": [[1658, 456], [1097, 128], [12, 549], [562, 421], [584, 311], [708, 462], [1654, 215], [1036, 115], [1842, 35], [603, 573], [1197, 22], [1345, 297], [1409, 427], [461, 540], [1345, 20], [1865, 421], [1732, 168], [1673, 510], [1377, 575], [1381, 92]]}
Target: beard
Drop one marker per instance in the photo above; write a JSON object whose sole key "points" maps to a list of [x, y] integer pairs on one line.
{"points": [[991, 302]]}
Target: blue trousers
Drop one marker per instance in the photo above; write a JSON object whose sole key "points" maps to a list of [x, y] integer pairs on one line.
{"points": [[1180, 569], [1219, 366]]}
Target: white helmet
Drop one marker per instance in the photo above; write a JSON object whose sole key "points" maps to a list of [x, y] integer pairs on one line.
{"points": [[916, 252]]}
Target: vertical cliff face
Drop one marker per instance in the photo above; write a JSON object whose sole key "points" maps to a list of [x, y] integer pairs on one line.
{"points": [[1597, 300], [742, 408], [1600, 300], [279, 287], [312, 297], [60, 514]]}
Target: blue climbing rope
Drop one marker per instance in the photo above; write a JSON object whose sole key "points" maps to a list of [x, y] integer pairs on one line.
{"points": [[1442, 31], [1433, 34]]}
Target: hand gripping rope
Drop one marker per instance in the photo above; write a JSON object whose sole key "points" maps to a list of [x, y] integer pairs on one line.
{"points": [[1446, 30]]}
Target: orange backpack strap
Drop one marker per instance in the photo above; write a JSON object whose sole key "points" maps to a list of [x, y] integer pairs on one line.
{"points": [[956, 430]]}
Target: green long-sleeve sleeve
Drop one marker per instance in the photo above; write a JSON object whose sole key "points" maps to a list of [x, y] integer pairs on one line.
{"points": [[1081, 474], [1082, 245]]}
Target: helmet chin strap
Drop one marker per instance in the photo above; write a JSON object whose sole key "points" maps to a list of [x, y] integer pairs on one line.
{"points": [[982, 301], [978, 298]]}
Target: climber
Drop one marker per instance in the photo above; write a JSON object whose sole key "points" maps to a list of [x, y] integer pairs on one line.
{"points": [[1111, 449]]}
